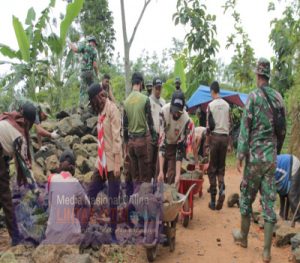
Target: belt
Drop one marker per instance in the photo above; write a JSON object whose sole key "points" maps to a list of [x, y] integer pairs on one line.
{"points": [[219, 134], [136, 135]]}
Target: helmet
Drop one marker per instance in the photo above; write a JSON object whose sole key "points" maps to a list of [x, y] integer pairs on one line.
{"points": [[92, 39], [263, 67]]}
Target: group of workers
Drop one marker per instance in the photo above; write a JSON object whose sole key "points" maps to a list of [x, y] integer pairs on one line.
{"points": [[156, 135]]}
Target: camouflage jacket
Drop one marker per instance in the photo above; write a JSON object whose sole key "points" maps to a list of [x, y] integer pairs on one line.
{"points": [[257, 140], [89, 56]]}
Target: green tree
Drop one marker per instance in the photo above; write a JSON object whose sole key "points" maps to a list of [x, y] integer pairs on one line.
{"points": [[96, 19], [240, 70], [200, 40]]}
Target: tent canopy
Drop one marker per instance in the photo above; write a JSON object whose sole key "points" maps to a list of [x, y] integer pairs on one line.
{"points": [[202, 97]]}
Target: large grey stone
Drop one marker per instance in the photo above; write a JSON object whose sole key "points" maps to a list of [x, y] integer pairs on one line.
{"points": [[84, 258], [295, 241], [53, 253], [80, 150], [51, 150], [233, 199], [88, 139], [82, 164], [284, 233], [61, 144], [71, 140], [71, 125], [91, 122], [8, 257], [49, 125], [38, 173], [52, 164], [92, 149]]}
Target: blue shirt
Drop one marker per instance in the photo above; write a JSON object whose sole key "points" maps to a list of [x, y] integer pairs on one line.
{"points": [[283, 173]]}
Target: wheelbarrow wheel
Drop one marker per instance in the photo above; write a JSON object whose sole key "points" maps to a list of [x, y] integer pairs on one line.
{"points": [[151, 253], [186, 218]]}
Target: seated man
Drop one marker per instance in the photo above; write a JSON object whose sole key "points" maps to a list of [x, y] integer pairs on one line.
{"points": [[287, 177], [64, 192]]}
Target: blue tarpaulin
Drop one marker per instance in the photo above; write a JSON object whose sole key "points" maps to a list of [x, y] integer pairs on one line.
{"points": [[202, 97]]}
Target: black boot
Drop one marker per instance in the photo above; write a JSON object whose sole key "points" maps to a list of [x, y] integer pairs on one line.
{"points": [[212, 203]]}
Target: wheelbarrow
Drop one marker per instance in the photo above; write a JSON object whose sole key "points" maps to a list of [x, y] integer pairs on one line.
{"points": [[169, 219]]}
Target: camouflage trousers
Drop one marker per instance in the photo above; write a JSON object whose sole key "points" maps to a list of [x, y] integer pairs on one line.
{"points": [[87, 79], [259, 177]]}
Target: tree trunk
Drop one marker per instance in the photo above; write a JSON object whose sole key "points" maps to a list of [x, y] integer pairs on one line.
{"points": [[127, 69], [294, 144]]}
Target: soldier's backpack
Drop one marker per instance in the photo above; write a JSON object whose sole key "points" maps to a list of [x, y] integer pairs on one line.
{"points": [[279, 122]]}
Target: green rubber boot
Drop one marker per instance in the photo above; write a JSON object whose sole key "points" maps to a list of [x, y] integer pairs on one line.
{"points": [[268, 229], [241, 236]]}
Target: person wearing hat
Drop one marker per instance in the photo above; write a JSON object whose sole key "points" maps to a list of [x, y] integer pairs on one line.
{"points": [[177, 83], [43, 111], [218, 128], [175, 128], [149, 86], [156, 105], [64, 192], [14, 141], [89, 68], [137, 123], [257, 146], [109, 151]]}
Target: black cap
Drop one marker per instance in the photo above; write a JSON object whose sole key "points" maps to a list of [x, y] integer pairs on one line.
{"points": [[177, 102], [29, 111], [137, 77], [68, 156], [94, 90], [177, 80], [157, 82], [149, 84]]}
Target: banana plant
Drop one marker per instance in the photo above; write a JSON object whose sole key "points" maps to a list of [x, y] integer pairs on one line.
{"points": [[27, 65]]}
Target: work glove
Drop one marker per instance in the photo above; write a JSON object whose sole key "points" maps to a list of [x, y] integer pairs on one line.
{"points": [[55, 135]]}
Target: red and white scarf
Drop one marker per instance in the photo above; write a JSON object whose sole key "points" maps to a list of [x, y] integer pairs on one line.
{"points": [[102, 164]]}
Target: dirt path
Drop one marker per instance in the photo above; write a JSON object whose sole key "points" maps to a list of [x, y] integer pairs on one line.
{"points": [[198, 243]]}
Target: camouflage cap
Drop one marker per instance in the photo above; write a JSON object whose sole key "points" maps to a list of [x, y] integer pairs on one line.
{"points": [[92, 38], [263, 67]]}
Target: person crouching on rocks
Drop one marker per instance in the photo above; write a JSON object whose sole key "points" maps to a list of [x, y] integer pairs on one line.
{"points": [[64, 194]]}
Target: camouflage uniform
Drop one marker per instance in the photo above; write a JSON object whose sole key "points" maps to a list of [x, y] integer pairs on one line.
{"points": [[89, 56], [257, 145]]}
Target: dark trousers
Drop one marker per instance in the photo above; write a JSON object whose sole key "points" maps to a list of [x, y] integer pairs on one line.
{"points": [[97, 184], [170, 164], [6, 200], [216, 170], [139, 160], [153, 160]]}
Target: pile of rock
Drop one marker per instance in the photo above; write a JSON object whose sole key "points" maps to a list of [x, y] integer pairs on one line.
{"points": [[78, 132]]}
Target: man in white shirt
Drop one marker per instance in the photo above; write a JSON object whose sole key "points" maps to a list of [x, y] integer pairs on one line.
{"points": [[156, 105], [218, 127]]}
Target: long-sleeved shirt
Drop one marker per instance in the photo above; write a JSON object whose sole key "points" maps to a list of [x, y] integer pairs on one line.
{"points": [[173, 131], [257, 141], [64, 192], [112, 134], [156, 105], [137, 118]]}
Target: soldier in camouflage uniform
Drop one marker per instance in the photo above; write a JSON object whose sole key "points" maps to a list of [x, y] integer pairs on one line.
{"points": [[257, 146], [89, 69]]}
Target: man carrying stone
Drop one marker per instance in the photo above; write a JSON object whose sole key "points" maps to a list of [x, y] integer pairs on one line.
{"points": [[175, 127], [109, 151], [218, 126], [89, 68], [14, 143], [258, 147]]}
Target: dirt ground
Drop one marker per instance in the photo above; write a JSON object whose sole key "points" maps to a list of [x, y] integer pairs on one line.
{"points": [[207, 238]]}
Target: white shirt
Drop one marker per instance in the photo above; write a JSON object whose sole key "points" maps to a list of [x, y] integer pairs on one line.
{"points": [[156, 105], [220, 112]]}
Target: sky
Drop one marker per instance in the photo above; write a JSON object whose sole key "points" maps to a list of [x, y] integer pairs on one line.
{"points": [[157, 28]]}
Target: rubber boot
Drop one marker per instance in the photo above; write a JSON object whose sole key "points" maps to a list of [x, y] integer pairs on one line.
{"points": [[212, 203], [241, 236], [268, 229]]}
